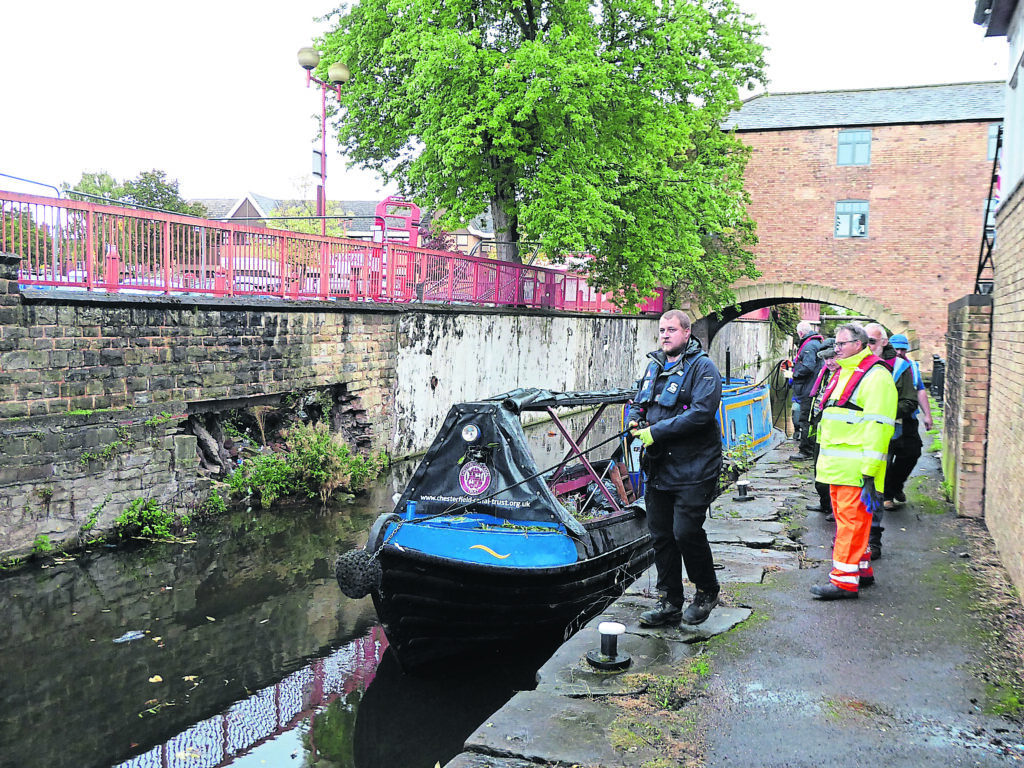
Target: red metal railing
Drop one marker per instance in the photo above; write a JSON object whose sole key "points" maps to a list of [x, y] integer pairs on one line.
{"points": [[86, 246]]}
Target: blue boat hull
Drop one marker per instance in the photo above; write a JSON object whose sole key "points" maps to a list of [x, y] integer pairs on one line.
{"points": [[433, 607]]}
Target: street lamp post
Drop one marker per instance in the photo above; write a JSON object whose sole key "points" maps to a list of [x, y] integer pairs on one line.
{"points": [[337, 74]]}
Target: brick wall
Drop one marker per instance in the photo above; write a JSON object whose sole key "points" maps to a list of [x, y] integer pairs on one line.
{"points": [[926, 186], [1004, 500], [965, 402]]}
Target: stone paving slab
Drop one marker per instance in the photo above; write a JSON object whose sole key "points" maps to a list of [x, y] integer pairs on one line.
{"points": [[472, 760], [546, 730], [746, 565], [760, 508], [565, 720], [750, 533]]}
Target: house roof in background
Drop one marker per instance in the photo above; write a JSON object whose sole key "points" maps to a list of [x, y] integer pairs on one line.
{"points": [[224, 207], [957, 102], [363, 211]]}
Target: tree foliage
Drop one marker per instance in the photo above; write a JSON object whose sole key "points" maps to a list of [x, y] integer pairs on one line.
{"points": [[95, 187], [436, 239], [592, 127], [150, 189], [18, 230], [300, 216]]}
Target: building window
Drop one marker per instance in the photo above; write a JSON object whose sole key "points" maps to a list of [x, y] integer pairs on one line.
{"points": [[852, 218], [990, 214], [854, 148], [993, 134], [462, 239]]}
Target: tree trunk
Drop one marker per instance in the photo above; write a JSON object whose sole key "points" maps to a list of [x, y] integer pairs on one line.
{"points": [[506, 225]]}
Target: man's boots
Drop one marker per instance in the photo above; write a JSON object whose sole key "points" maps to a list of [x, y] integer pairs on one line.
{"points": [[875, 541]]}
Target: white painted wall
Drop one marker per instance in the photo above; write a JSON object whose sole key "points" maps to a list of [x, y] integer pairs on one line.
{"points": [[748, 343], [448, 358], [1011, 164], [452, 357]]}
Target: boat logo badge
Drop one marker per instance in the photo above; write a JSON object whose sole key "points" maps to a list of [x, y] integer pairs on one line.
{"points": [[475, 478]]}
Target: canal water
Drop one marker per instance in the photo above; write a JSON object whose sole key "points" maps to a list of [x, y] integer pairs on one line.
{"points": [[237, 648]]}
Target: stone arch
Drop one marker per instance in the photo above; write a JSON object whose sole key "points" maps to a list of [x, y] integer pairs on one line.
{"points": [[759, 295]]}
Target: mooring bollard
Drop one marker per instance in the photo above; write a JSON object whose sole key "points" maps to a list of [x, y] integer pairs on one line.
{"points": [[742, 486], [609, 658]]}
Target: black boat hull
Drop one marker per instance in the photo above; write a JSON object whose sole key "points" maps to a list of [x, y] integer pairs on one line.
{"points": [[433, 608]]}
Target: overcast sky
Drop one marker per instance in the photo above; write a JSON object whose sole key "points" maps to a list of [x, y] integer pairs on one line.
{"points": [[210, 92]]}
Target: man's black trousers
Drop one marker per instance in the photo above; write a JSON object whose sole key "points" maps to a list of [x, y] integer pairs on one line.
{"points": [[903, 458], [676, 521], [806, 444]]}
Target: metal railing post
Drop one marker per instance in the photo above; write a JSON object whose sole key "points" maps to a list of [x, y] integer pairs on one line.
{"points": [[165, 260], [325, 270], [90, 250]]}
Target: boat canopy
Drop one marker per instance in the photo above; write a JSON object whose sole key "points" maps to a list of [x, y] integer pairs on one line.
{"points": [[532, 399], [480, 461]]}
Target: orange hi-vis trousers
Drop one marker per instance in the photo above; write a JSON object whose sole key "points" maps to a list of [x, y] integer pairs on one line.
{"points": [[851, 558]]}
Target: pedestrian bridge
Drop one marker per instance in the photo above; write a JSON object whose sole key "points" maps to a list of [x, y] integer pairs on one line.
{"points": [[99, 248]]}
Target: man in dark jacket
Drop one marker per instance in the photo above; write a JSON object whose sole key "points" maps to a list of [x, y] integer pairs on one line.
{"points": [[674, 415], [829, 367], [805, 370], [906, 391]]}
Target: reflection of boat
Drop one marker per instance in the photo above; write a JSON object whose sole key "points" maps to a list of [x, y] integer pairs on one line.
{"points": [[424, 720], [484, 550]]}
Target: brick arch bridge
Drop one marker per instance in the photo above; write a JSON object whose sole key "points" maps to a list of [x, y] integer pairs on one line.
{"points": [[758, 295]]}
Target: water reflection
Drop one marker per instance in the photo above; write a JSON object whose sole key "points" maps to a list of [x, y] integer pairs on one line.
{"points": [[418, 721], [311, 711], [249, 654], [243, 607]]}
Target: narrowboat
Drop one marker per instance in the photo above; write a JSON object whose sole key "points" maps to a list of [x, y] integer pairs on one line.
{"points": [[485, 550]]}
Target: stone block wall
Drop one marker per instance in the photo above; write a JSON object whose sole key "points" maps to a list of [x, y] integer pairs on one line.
{"points": [[965, 402], [96, 391]]}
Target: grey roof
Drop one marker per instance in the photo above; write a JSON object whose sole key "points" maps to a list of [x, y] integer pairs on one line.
{"points": [[218, 207], [221, 207], [877, 106]]}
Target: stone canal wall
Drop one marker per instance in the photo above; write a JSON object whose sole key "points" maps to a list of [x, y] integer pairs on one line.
{"points": [[105, 399]]}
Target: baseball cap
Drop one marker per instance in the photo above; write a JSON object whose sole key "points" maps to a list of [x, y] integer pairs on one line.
{"points": [[899, 341]]}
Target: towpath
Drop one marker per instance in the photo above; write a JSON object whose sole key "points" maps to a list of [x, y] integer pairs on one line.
{"points": [[912, 673]]}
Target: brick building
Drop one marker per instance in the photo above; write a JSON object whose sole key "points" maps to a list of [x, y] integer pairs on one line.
{"points": [[879, 196]]}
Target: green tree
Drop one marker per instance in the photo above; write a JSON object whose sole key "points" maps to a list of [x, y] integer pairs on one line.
{"points": [[95, 184], [150, 189], [590, 127], [300, 216]]}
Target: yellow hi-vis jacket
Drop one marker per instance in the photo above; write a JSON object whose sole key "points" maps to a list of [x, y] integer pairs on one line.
{"points": [[854, 438]]}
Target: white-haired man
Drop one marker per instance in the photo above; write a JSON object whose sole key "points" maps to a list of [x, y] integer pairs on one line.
{"points": [[805, 370]]}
